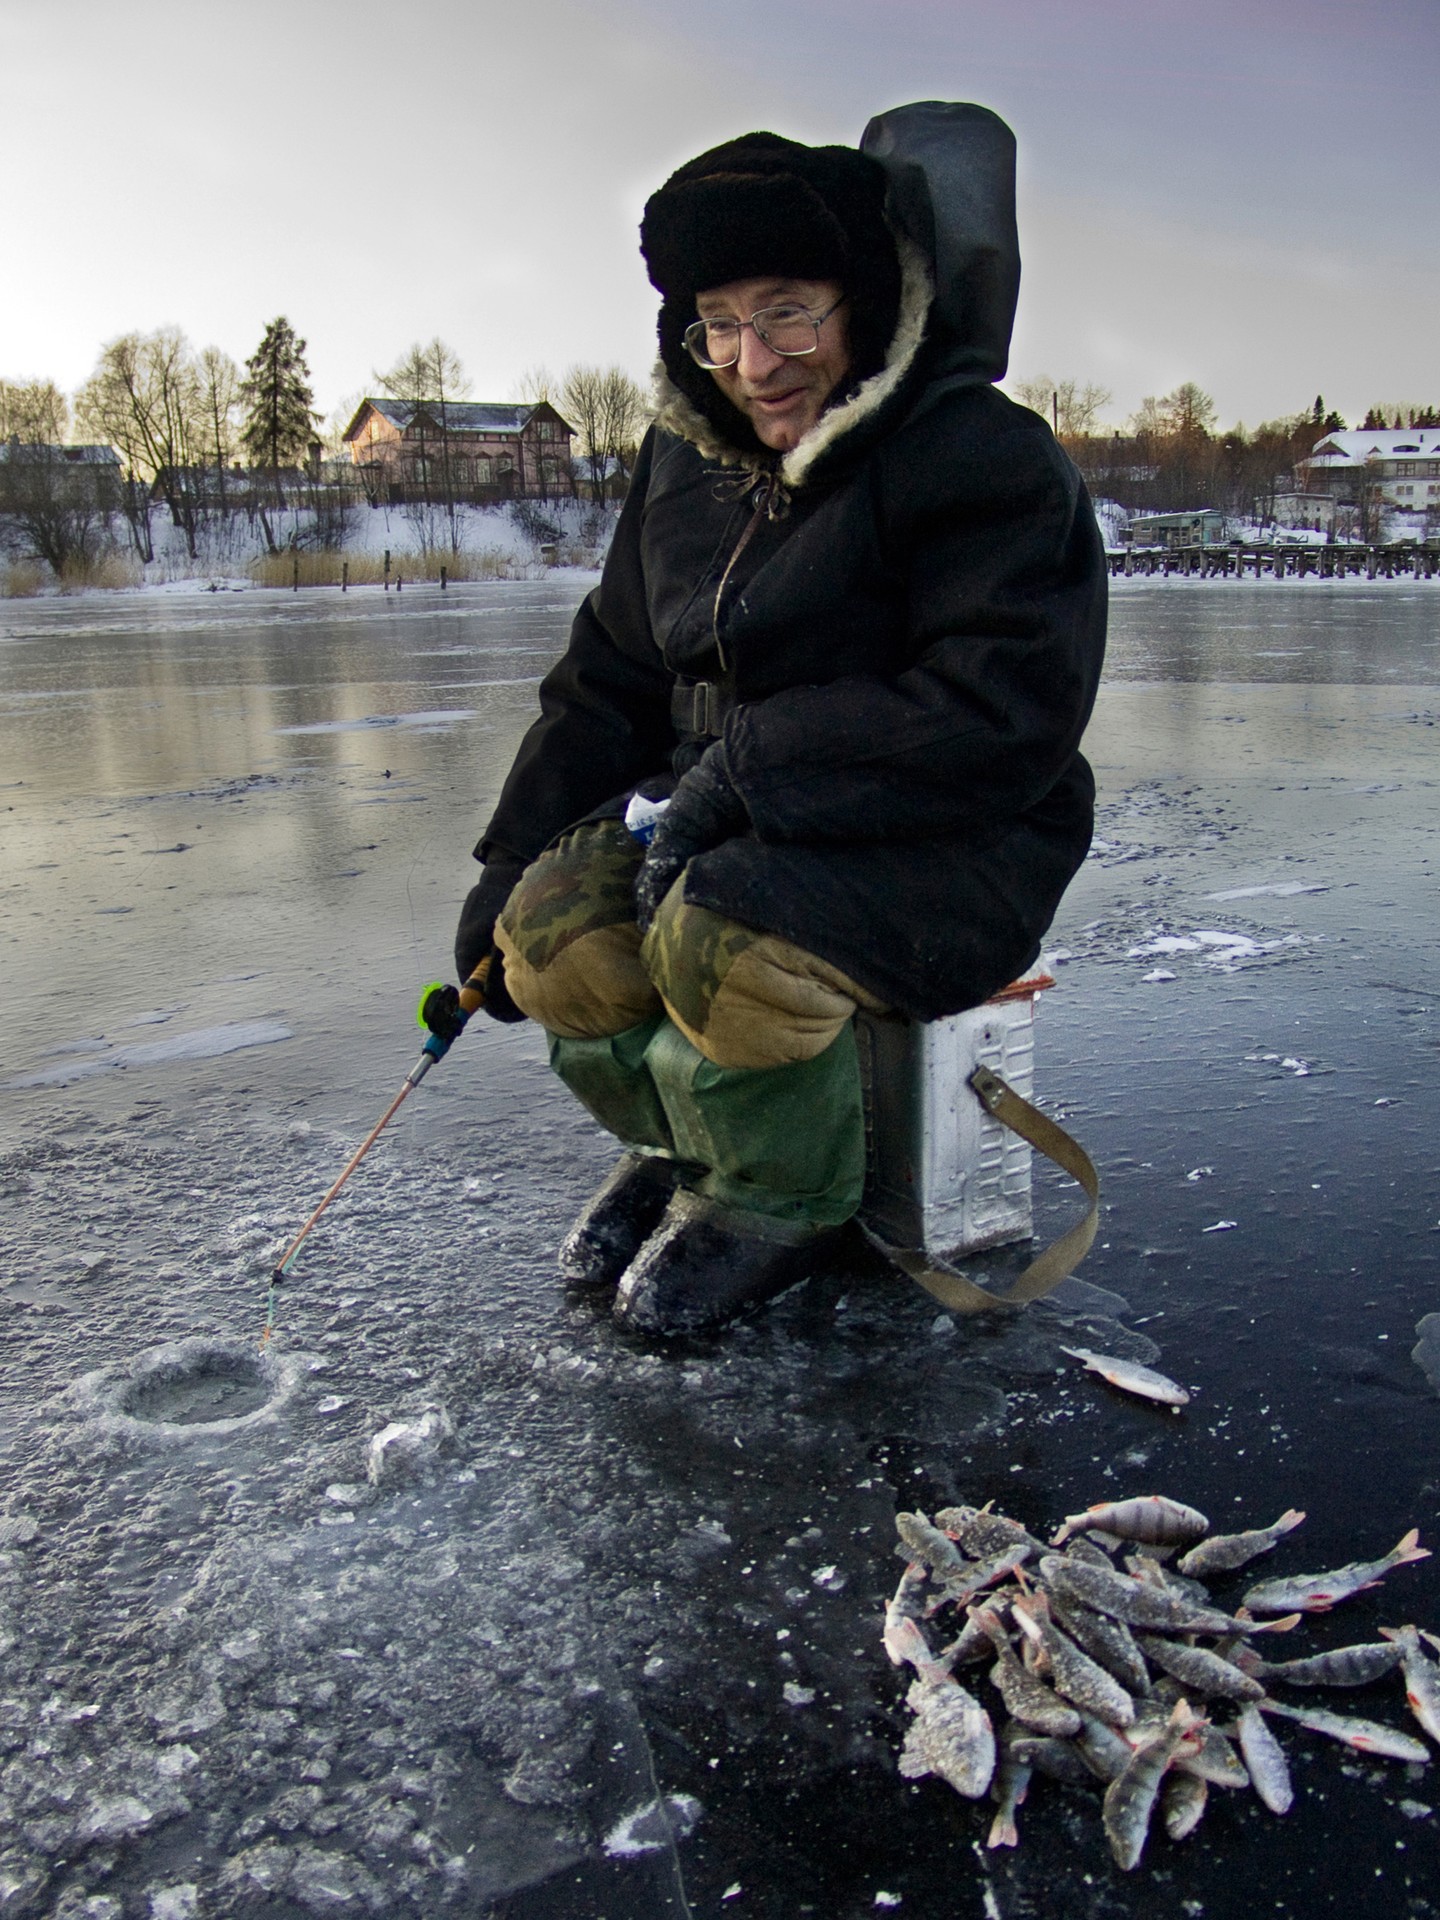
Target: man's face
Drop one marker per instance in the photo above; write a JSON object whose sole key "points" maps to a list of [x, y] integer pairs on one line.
{"points": [[781, 395]]}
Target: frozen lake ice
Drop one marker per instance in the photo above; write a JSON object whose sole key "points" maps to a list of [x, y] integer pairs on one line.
{"points": [[604, 1639]]}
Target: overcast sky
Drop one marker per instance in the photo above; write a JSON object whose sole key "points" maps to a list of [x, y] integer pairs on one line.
{"points": [[1242, 194]]}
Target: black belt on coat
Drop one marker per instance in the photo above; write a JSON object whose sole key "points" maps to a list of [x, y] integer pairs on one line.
{"points": [[698, 708]]}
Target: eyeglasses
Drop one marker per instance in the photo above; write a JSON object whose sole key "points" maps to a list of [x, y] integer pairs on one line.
{"points": [[788, 329]]}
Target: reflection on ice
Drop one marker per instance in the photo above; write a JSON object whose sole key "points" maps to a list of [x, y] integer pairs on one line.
{"points": [[203, 1043]]}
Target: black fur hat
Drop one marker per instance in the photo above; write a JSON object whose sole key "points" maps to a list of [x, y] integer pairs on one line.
{"points": [[766, 205]]}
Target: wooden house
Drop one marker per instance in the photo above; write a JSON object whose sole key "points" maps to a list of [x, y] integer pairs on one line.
{"points": [[481, 451]]}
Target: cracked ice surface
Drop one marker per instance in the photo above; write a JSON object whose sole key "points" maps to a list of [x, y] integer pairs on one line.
{"points": [[599, 1636]]}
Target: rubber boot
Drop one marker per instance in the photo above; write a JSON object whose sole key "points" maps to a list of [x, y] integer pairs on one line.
{"points": [[610, 1078], [707, 1264], [618, 1219], [788, 1142]]}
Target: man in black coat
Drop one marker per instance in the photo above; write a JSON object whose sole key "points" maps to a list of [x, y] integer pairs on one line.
{"points": [[813, 745]]}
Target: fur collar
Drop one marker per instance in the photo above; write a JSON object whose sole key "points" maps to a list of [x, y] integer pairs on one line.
{"points": [[680, 416]]}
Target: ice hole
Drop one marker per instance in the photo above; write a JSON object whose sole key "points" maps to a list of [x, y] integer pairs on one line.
{"points": [[199, 1388]]}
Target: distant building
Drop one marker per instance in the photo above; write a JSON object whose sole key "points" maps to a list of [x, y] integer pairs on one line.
{"points": [[403, 450], [101, 465], [1401, 464], [1314, 511], [1202, 527]]}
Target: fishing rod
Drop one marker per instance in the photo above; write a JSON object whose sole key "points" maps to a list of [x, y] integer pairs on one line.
{"points": [[444, 1011]]}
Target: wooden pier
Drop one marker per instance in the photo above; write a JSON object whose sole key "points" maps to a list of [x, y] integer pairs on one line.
{"points": [[1326, 563]]}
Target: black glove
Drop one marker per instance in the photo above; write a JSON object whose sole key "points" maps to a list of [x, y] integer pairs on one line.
{"points": [[705, 809], [475, 936]]}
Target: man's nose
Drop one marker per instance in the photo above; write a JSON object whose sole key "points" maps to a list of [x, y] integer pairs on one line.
{"points": [[757, 361]]}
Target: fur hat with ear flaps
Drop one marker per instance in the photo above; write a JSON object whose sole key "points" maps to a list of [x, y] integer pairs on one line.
{"points": [[765, 205]]}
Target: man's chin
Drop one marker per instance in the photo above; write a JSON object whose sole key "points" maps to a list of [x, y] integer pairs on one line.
{"points": [[782, 433]]}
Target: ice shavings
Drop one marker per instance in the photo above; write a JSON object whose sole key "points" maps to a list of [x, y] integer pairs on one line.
{"points": [[1215, 946], [1282, 889], [202, 1043], [653, 1827]]}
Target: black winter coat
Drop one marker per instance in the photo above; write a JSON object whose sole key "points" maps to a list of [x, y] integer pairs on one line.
{"points": [[912, 649]]}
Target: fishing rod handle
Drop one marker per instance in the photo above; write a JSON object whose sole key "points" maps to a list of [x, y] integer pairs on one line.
{"points": [[472, 994]]}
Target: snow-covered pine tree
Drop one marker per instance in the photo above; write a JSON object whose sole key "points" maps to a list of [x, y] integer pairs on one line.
{"points": [[277, 395]]}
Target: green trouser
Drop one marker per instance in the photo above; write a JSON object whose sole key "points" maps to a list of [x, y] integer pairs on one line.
{"points": [[785, 1141]]}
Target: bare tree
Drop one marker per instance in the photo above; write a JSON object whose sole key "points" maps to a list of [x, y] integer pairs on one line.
{"points": [[1074, 410], [609, 412], [145, 398], [431, 377], [34, 412], [627, 413], [219, 404], [538, 384]]}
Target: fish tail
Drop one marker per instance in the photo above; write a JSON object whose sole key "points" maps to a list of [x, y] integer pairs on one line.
{"points": [[1288, 1521], [1003, 1831], [1409, 1549]]}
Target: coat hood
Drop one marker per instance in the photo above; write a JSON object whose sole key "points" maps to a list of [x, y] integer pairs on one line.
{"points": [[951, 206], [952, 191]]}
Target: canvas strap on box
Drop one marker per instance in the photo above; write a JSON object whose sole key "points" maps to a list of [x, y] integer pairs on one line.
{"points": [[1062, 1256]]}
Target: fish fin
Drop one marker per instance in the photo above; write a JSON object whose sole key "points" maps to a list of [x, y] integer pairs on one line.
{"points": [[1003, 1832], [1061, 1535], [1287, 1522], [1410, 1549], [1393, 1633], [1287, 1622]]}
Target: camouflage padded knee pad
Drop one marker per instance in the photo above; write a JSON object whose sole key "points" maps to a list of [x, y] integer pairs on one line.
{"points": [[568, 934], [741, 997]]}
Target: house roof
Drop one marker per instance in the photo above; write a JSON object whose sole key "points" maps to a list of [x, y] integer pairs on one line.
{"points": [[462, 416], [78, 456], [1359, 444]]}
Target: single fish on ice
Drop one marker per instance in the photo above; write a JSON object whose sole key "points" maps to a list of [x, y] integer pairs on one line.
{"points": [[1203, 1671], [1152, 1519], [1131, 1377], [1224, 1552], [1365, 1736], [951, 1736], [1318, 1592], [1340, 1667], [1264, 1760]]}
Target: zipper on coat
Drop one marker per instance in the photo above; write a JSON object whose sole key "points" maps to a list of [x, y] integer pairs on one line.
{"points": [[769, 500]]}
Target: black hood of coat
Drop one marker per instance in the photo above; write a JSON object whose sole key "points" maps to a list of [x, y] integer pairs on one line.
{"points": [[950, 201], [952, 192]]}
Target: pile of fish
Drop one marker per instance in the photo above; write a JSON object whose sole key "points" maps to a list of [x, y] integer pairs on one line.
{"points": [[1116, 1669]]}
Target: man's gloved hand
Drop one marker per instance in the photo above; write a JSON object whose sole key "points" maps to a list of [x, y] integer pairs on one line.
{"points": [[475, 936], [704, 809]]}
